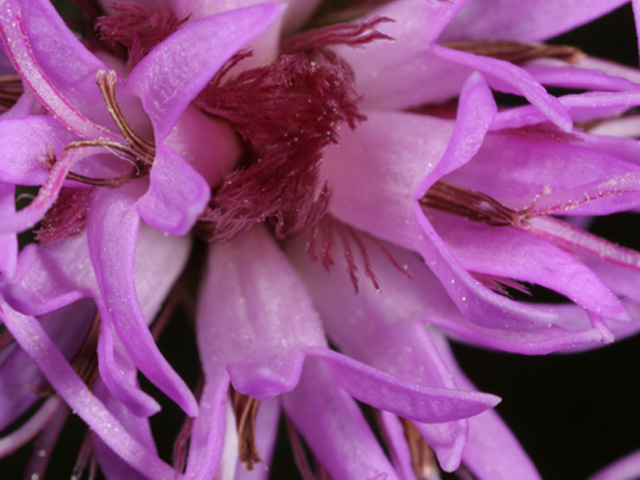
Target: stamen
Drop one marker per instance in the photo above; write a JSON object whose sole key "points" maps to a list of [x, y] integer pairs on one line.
{"points": [[500, 284], [137, 29], [518, 52], [423, 459], [328, 226], [107, 84], [10, 90], [246, 409], [85, 456], [286, 112], [481, 208]]}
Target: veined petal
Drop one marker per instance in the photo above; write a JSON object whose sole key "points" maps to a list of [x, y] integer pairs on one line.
{"points": [[112, 229], [516, 20], [334, 428], [176, 196], [171, 76], [39, 43], [34, 340], [250, 325]]}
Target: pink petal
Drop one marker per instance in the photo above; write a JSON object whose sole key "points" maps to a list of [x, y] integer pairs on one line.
{"points": [[176, 196], [112, 229], [171, 76], [627, 468], [250, 325]]}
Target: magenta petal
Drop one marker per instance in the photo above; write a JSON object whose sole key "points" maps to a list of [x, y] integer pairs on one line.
{"points": [[38, 43], [112, 229], [176, 196], [34, 340], [523, 21], [171, 76], [25, 141], [250, 325], [334, 428], [8, 241]]}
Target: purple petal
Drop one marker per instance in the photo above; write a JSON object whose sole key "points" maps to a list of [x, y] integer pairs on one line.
{"points": [[38, 43], [404, 398], [206, 443], [627, 468], [25, 141], [176, 196], [8, 241], [111, 465], [171, 76], [334, 428], [523, 21], [492, 452], [250, 325], [34, 340], [112, 229]]}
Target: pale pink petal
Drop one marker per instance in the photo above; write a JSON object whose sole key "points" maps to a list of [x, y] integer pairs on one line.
{"points": [[627, 468], [8, 241]]}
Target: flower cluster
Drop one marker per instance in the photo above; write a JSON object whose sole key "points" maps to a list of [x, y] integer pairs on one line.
{"points": [[338, 190]]}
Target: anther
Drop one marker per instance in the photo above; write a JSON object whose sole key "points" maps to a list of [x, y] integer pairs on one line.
{"points": [[246, 409], [518, 52]]}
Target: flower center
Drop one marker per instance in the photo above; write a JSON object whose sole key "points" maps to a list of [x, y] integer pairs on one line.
{"points": [[286, 113]]}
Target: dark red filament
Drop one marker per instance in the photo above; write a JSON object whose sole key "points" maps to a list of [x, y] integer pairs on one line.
{"points": [[136, 28], [286, 113]]}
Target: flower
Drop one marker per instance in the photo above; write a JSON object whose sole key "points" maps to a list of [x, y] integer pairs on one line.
{"points": [[336, 202]]}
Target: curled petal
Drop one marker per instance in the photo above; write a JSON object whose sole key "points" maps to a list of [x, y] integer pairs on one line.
{"points": [[171, 76], [176, 196], [112, 229]]}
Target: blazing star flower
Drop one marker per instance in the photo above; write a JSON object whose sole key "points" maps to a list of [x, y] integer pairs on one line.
{"points": [[337, 203]]}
